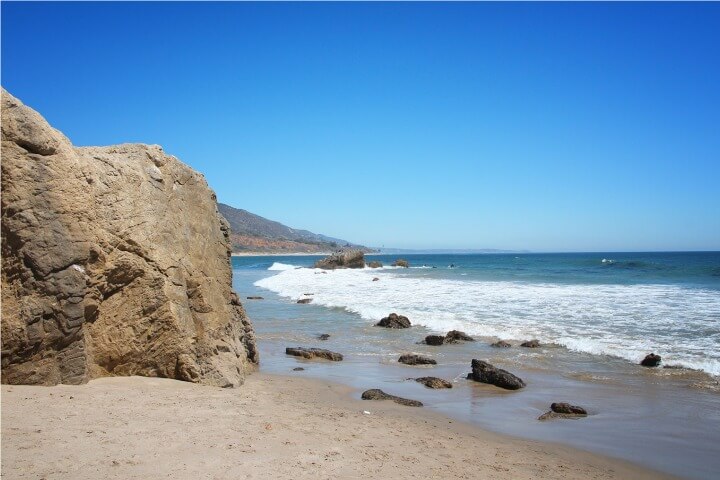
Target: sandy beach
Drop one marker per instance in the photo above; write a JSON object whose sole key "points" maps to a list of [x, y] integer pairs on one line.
{"points": [[271, 427]]}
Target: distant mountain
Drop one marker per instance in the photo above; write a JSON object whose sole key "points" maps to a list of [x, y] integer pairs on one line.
{"points": [[253, 233]]}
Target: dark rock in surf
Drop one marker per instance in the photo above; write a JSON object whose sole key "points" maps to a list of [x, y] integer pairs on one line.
{"points": [[310, 353], [375, 264], [651, 360], [305, 301], [530, 344], [434, 382], [486, 373], [324, 336], [377, 394], [401, 263], [434, 340], [501, 344], [414, 359], [255, 298], [375, 279], [563, 410], [454, 336], [342, 259], [298, 369], [394, 321]]}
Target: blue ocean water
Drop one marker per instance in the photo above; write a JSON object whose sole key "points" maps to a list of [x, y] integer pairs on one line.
{"points": [[624, 305]]}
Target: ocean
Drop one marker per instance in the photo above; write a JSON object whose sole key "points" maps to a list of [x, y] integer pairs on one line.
{"points": [[596, 316]]}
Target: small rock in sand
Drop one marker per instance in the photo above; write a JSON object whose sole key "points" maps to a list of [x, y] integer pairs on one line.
{"points": [[377, 394]]}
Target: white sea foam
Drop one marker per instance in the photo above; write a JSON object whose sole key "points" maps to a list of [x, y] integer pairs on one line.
{"points": [[627, 321], [280, 267]]}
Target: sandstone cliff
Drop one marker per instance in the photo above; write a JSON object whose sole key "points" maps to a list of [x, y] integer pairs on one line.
{"points": [[115, 261]]}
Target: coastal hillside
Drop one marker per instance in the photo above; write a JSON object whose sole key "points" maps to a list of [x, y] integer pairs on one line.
{"points": [[253, 233], [115, 262]]}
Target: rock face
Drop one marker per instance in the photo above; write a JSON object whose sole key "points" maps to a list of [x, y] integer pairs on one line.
{"points": [[314, 353], [434, 382], [377, 394], [115, 262], [414, 359], [343, 259], [394, 321], [485, 373]]}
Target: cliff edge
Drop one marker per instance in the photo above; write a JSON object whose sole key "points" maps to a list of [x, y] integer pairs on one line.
{"points": [[115, 261]]}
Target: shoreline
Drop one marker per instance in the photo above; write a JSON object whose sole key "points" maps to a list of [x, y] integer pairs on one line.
{"points": [[272, 426]]}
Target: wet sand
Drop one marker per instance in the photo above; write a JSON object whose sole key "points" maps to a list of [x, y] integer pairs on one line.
{"points": [[272, 427]]}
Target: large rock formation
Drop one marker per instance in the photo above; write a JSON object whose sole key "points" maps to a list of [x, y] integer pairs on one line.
{"points": [[342, 259], [115, 262]]}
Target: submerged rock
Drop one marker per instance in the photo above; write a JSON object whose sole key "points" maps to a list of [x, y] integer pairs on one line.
{"points": [[323, 336], [486, 373], [434, 382], [298, 369], [434, 340], [651, 360], [530, 344], [454, 336], [115, 261], [305, 301], [401, 263], [501, 344], [375, 264], [342, 259], [394, 321], [563, 410], [377, 394], [375, 279], [255, 298], [414, 359], [313, 353]]}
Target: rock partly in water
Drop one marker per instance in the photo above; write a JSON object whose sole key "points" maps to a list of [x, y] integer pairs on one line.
{"points": [[485, 373], [435, 340], [255, 298], [310, 353], [501, 344], [375, 264], [298, 369], [530, 344], [342, 259], [434, 382], [375, 279], [377, 394], [394, 321], [454, 336], [323, 336], [305, 301], [401, 263], [414, 359], [115, 261], [563, 410], [651, 360]]}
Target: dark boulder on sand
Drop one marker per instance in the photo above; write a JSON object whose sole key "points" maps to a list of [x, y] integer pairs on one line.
{"points": [[375, 264], [313, 353], [651, 360], [501, 344], [435, 340], [434, 382], [485, 373], [342, 259], [401, 263], [454, 336], [530, 344], [414, 359], [563, 410], [394, 321], [305, 300], [377, 394]]}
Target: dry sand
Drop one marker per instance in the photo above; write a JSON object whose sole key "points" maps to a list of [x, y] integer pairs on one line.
{"points": [[272, 427]]}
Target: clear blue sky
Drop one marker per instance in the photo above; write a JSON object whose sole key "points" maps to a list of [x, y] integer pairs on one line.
{"points": [[519, 126]]}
